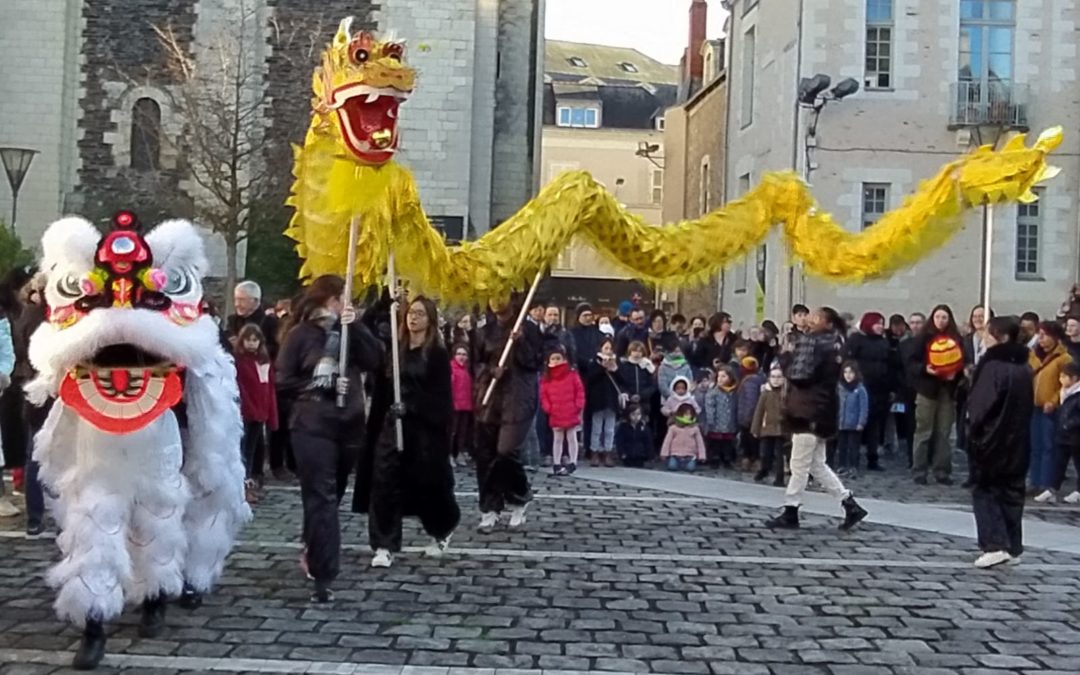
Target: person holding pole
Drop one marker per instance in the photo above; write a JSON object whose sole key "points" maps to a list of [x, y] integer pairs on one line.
{"points": [[323, 432], [508, 354]]}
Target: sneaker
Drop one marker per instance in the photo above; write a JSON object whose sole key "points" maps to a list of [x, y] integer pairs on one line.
{"points": [[1073, 498], [1046, 497], [488, 521], [1013, 560], [992, 559], [517, 516], [382, 558], [322, 593], [438, 547], [560, 471], [7, 509], [34, 530]]}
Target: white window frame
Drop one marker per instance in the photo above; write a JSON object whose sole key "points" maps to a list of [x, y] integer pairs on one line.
{"points": [[570, 110], [656, 185], [578, 62], [748, 66], [1029, 235], [661, 123], [875, 29], [628, 67], [874, 206]]}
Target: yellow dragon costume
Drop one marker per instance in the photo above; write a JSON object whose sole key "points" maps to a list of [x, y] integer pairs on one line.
{"points": [[345, 170]]}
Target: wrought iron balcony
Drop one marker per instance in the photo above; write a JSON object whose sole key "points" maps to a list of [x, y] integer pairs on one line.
{"points": [[995, 103]]}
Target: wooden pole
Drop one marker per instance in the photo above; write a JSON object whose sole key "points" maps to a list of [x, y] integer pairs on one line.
{"points": [[517, 326], [350, 272], [395, 349], [988, 257]]}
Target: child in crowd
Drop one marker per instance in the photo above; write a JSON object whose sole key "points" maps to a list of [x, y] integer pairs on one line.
{"points": [[464, 420], [749, 392], [767, 426], [706, 381], [562, 397], [258, 403], [1068, 430], [740, 350], [854, 411], [604, 398], [683, 446], [671, 368], [721, 418], [633, 438], [681, 393]]}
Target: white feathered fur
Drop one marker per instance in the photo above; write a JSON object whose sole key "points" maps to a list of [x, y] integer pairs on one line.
{"points": [[140, 513]]}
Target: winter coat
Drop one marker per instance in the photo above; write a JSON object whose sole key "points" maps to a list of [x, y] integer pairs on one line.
{"points": [[267, 323], [516, 395], [1047, 370], [749, 393], [258, 395], [999, 415], [31, 316], [915, 362], [7, 348], [562, 397], [769, 414], [813, 373], [898, 348], [555, 338], [875, 361], [721, 411], [602, 388], [586, 343], [683, 442], [1068, 421], [637, 380], [854, 407], [633, 442], [461, 386], [630, 333], [708, 350], [668, 372]]}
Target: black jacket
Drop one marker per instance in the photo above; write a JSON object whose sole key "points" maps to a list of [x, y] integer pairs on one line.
{"points": [[22, 328], [813, 374], [707, 350], [630, 333], [586, 344], [267, 323], [915, 366], [999, 410], [602, 388], [517, 394], [875, 360], [1068, 424], [556, 337], [633, 443], [638, 382]]}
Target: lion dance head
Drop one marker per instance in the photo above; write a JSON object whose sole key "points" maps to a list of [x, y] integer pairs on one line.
{"points": [[359, 87]]}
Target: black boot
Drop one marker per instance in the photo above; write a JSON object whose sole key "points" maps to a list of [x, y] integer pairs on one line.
{"points": [[153, 617], [92, 648], [787, 520], [322, 592], [190, 598], [853, 513]]}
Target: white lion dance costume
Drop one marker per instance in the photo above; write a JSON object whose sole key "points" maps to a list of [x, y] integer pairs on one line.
{"points": [[140, 512]]}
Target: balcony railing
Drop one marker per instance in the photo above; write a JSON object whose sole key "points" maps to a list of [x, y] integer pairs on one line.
{"points": [[994, 103]]}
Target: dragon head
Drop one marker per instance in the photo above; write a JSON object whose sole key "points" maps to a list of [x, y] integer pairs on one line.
{"points": [[361, 82]]}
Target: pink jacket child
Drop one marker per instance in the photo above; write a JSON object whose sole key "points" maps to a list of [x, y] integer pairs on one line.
{"points": [[684, 440], [562, 396], [461, 386]]}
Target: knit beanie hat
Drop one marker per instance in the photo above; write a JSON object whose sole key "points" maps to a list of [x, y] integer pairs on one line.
{"points": [[625, 307], [581, 309], [749, 365]]}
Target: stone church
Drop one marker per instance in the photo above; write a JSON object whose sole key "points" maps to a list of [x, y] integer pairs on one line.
{"points": [[85, 84]]}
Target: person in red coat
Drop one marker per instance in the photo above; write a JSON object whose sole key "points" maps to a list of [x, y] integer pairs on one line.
{"points": [[562, 396], [258, 401], [464, 420]]}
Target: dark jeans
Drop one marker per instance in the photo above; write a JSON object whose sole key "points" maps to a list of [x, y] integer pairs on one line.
{"points": [[34, 418], [875, 427], [254, 445], [772, 455], [999, 515], [905, 429], [323, 463], [543, 432], [499, 474], [847, 449], [748, 445]]}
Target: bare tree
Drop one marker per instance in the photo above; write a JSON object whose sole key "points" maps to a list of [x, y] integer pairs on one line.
{"points": [[218, 92]]}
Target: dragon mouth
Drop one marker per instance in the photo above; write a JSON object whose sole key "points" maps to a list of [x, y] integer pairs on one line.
{"points": [[368, 118], [122, 388]]}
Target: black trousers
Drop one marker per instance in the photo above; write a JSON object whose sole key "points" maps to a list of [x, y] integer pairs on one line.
{"points": [[323, 462], [748, 445], [13, 425], [34, 417], [720, 451], [874, 432], [462, 432], [999, 516], [499, 473], [772, 456], [281, 452], [1064, 454], [409, 483], [254, 447]]}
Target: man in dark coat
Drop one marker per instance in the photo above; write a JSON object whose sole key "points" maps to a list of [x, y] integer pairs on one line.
{"points": [[586, 336], [878, 366], [635, 331], [999, 410], [247, 299]]}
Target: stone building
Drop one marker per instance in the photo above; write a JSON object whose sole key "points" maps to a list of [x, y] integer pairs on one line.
{"points": [[936, 79], [85, 84], [604, 113]]}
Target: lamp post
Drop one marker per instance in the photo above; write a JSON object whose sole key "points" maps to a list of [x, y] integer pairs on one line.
{"points": [[814, 94], [16, 164]]}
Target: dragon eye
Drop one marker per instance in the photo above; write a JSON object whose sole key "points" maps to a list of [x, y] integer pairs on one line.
{"points": [[361, 55], [69, 287], [178, 282]]}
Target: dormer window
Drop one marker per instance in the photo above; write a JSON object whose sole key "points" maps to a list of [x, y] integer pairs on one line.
{"points": [[577, 62], [628, 67]]}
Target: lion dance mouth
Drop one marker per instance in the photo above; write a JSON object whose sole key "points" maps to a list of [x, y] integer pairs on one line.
{"points": [[368, 118]]}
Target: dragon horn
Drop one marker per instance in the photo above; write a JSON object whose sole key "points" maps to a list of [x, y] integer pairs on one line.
{"points": [[343, 32]]}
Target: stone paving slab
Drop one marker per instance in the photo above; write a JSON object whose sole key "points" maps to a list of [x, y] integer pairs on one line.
{"points": [[604, 578]]}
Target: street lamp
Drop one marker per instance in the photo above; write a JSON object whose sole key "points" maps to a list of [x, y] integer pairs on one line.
{"points": [[16, 164]]}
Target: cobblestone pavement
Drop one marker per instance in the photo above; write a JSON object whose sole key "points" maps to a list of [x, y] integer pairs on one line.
{"points": [[602, 578]]}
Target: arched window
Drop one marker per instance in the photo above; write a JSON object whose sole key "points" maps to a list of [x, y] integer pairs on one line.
{"points": [[146, 134]]}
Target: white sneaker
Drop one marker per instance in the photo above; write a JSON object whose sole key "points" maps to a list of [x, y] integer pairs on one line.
{"points": [[437, 548], [1047, 497], [1073, 498], [382, 558], [992, 559], [488, 521], [1013, 561], [518, 516], [7, 509]]}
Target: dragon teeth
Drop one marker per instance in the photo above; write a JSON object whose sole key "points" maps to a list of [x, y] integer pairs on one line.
{"points": [[372, 97]]}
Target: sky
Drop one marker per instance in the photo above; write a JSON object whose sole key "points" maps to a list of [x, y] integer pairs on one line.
{"points": [[659, 28]]}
